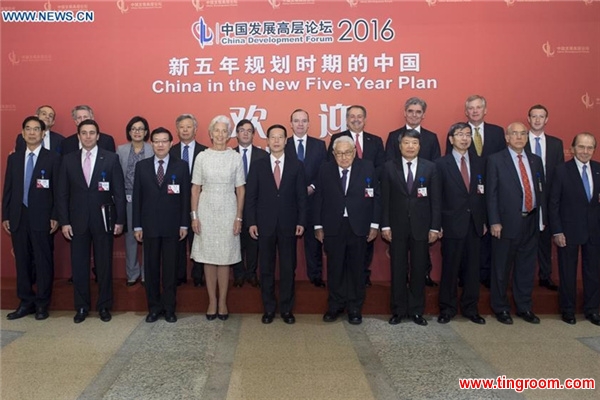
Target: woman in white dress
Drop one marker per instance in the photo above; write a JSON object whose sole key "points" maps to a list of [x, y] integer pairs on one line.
{"points": [[217, 204]]}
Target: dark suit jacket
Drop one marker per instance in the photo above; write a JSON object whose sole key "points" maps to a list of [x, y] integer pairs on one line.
{"points": [[570, 212], [257, 154], [157, 212], [406, 213], [460, 207], [276, 210], [493, 141], [372, 148], [330, 199], [504, 193], [315, 154], [430, 146], [555, 156], [176, 152], [55, 142], [71, 144], [80, 205], [41, 201]]}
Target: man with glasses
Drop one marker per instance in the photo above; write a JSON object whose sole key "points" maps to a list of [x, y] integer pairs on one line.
{"points": [[245, 270], [51, 140]]}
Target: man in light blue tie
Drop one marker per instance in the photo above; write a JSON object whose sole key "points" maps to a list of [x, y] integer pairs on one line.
{"points": [[550, 150]]}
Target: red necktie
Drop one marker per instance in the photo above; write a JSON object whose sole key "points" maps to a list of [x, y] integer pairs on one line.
{"points": [[526, 184], [277, 174], [358, 148], [464, 172]]}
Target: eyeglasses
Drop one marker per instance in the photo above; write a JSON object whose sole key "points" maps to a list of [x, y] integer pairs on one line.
{"points": [[463, 135], [340, 154], [518, 134], [139, 130]]}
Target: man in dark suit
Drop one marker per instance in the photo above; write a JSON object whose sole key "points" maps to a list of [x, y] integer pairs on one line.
{"points": [[312, 153], [245, 270], [277, 213], [414, 114], [462, 177], [515, 194], [51, 140], [488, 139], [574, 209], [91, 209], [187, 150], [550, 150], [368, 147], [72, 143], [347, 211], [411, 220], [29, 217], [161, 207]]}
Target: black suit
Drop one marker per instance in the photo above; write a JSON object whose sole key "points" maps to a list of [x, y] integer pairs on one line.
{"points": [[554, 156], [197, 268], [430, 146], [463, 218], [246, 268], [81, 207], [579, 220], [30, 226], [276, 213], [55, 142], [345, 238], [71, 144], [519, 236], [160, 213], [410, 216], [315, 154]]}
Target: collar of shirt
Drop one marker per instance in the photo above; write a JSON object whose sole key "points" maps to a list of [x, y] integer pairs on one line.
{"points": [[340, 169], [35, 151], [580, 165], [166, 161], [457, 156], [360, 137], [94, 152], [46, 141], [191, 146], [281, 161], [303, 138], [417, 128], [248, 152], [413, 166]]}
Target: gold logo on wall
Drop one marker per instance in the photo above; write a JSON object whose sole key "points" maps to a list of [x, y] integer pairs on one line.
{"points": [[510, 2], [13, 58], [353, 3], [198, 5], [122, 7], [47, 6], [587, 102], [548, 49], [431, 3]]}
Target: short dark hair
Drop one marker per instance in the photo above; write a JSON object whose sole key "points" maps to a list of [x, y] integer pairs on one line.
{"points": [[537, 107], [299, 110], [583, 134], [458, 126], [362, 108], [244, 122], [34, 118], [410, 133], [160, 129], [277, 126], [88, 122], [135, 120]]}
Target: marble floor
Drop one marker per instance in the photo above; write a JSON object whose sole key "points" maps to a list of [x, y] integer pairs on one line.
{"points": [[241, 358]]}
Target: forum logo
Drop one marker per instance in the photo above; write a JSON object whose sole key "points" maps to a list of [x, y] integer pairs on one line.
{"points": [[202, 33]]}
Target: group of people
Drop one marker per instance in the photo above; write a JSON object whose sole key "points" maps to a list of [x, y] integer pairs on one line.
{"points": [[496, 200]]}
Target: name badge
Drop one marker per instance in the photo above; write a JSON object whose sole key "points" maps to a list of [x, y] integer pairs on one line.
{"points": [[422, 192], [369, 192], [480, 189], [103, 186], [43, 184], [129, 198], [173, 189]]}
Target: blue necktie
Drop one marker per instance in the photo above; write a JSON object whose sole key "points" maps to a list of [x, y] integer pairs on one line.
{"points": [[245, 160], [186, 154], [409, 178], [344, 179], [586, 183], [300, 150], [538, 147], [28, 176]]}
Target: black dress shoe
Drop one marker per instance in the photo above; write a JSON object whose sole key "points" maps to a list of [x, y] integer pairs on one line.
{"points": [[181, 281], [105, 315], [20, 313], [211, 317], [476, 318], [152, 317], [253, 281], [267, 317], [288, 318], [395, 320], [548, 284], [238, 282], [131, 283], [318, 282], [486, 283], [419, 320], [80, 315], [330, 316], [444, 318], [529, 316], [41, 313], [368, 282], [593, 318], [569, 318], [504, 318], [170, 317], [70, 281], [223, 317], [354, 318], [430, 282]]}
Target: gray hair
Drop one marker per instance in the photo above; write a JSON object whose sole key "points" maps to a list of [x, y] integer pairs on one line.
{"points": [[187, 116], [475, 97], [415, 101], [82, 107], [223, 120], [344, 139]]}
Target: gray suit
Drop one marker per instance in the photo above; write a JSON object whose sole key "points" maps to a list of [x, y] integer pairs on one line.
{"points": [[132, 267]]}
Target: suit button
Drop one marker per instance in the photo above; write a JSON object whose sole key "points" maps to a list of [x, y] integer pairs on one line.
{"points": [[468, 210]]}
